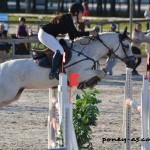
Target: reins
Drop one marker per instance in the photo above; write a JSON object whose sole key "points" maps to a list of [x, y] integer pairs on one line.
{"points": [[80, 53], [92, 38], [86, 58]]}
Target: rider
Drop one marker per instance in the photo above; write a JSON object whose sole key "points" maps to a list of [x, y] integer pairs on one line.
{"points": [[62, 24]]}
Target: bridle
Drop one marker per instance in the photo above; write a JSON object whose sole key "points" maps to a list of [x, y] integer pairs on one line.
{"points": [[114, 52]]}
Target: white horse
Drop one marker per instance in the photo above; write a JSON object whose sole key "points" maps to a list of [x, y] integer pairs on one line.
{"points": [[20, 74]]}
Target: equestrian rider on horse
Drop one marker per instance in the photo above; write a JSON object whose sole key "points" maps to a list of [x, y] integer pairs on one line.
{"points": [[62, 24]]}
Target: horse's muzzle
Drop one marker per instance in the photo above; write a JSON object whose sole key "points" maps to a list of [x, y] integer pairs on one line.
{"points": [[130, 62]]}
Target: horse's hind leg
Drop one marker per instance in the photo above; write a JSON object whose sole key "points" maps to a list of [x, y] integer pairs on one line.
{"points": [[10, 97]]}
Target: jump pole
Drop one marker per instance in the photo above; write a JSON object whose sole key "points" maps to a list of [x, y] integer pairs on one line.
{"points": [[127, 110], [134, 105], [67, 116], [52, 117], [144, 109], [145, 116]]}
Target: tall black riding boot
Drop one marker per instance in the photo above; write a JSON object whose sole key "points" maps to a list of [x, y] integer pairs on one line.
{"points": [[55, 64]]}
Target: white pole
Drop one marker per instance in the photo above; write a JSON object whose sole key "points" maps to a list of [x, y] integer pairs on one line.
{"points": [[52, 111], [131, 16], [65, 116], [145, 115], [127, 110], [63, 98], [73, 135]]}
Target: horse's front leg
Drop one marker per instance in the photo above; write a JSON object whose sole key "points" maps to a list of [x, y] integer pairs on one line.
{"points": [[90, 78]]}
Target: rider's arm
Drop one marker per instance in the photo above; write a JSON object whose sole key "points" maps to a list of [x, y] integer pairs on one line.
{"points": [[73, 33]]}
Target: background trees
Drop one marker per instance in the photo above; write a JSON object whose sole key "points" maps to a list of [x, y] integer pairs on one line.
{"points": [[97, 7], [4, 6]]}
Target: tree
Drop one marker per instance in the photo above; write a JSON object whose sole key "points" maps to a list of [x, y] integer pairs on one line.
{"points": [[128, 8], [46, 5], [62, 6], [113, 10], [18, 5], [133, 8], [58, 8], [4, 6], [99, 7], [139, 6], [105, 7], [28, 6], [80, 1], [34, 5]]}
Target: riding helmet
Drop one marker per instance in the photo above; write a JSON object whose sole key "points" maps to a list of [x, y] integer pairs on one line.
{"points": [[22, 19], [76, 7]]}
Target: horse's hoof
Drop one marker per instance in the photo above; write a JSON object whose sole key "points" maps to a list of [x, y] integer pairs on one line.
{"points": [[82, 86], [93, 81], [105, 71], [51, 76]]}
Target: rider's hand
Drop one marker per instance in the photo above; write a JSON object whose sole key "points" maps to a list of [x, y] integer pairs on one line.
{"points": [[94, 33]]}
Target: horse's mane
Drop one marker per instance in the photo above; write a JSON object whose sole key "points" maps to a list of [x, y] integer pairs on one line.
{"points": [[108, 33], [102, 34], [83, 42]]}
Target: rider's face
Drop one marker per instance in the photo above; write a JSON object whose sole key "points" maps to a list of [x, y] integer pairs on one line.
{"points": [[80, 15], [138, 27], [21, 22]]}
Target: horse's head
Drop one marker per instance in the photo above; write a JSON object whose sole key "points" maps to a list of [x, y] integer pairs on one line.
{"points": [[125, 52]]}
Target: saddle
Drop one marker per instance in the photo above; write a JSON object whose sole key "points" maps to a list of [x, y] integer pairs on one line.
{"points": [[44, 57]]}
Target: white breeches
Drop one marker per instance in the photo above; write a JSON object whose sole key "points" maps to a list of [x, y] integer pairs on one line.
{"points": [[50, 41]]}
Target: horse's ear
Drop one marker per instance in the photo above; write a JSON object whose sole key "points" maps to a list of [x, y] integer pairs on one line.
{"points": [[125, 31], [124, 34]]}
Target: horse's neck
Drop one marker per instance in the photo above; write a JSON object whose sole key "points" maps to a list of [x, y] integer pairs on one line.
{"points": [[94, 48], [109, 38]]}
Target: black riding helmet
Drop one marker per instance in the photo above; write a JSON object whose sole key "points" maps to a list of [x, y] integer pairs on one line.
{"points": [[22, 19], [76, 8]]}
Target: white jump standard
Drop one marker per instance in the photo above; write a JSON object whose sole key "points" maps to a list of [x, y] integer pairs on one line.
{"points": [[144, 110], [65, 117]]}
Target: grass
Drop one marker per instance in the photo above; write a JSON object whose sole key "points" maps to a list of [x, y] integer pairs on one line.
{"points": [[15, 18]]}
